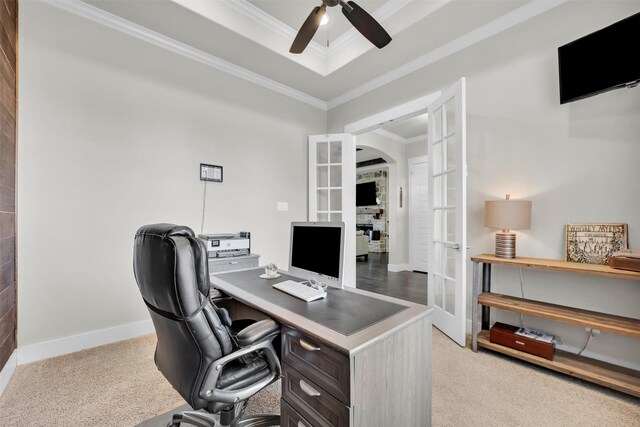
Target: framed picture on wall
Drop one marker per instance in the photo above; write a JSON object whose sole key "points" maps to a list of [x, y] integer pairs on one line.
{"points": [[594, 243]]}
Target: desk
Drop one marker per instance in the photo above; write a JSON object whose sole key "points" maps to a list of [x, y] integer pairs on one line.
{"points": [[378, 375]]}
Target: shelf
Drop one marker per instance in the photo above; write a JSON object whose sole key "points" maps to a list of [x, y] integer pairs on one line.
{"points": [[604, 374], [558, 265], [590, 319]]}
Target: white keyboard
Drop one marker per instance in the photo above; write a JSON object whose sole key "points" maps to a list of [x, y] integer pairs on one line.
{"points": [[301, 290]]}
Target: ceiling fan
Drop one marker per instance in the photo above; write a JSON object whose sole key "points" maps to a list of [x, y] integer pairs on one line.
{"points": [[361, 20]]}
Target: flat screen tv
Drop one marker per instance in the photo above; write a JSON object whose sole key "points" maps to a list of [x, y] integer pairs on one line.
{"points": [[601, 61], [366, 194]]}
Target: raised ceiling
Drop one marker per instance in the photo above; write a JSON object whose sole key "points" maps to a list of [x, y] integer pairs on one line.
{"points": [[251, 38]]}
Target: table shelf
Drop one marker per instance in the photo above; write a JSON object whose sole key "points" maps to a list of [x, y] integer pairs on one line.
{"points": [[558, 265], [604, 374], [590, 319]]}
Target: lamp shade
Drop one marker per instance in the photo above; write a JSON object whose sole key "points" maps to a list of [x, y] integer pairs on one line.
{"points": [[507, 214]]}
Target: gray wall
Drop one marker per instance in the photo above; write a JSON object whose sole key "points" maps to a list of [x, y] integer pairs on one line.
{"points": [[577, 162], [112, 131]]}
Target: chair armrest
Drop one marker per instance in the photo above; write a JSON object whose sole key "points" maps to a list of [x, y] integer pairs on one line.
{"points": [[257, 332], [210, 393]]}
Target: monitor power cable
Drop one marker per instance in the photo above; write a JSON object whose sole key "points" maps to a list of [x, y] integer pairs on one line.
{"points": [[204, 206]]}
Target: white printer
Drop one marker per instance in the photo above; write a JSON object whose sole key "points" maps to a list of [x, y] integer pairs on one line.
{"points": [[227, 245]]}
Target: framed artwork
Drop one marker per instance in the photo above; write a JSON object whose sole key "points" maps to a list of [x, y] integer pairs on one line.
{"points": [[594, 243]]}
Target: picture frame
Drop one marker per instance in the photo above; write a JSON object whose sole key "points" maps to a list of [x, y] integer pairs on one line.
{"points": [[594, 243]]}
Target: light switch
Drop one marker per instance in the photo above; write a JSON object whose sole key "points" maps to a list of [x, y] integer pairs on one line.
{"points": [[283, 206]]}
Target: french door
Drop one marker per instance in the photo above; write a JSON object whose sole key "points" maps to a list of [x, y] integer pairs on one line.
{"points": [[447, 211], [332, 187]]}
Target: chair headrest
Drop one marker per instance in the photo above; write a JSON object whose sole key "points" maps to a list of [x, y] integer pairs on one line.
{"points": [[165, 230], [171, 268]]}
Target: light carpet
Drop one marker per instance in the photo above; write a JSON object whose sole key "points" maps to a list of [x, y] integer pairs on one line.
{"points": [[119, 385]]}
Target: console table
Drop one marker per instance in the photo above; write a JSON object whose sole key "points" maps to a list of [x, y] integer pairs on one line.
{"points": [[605, 374]]}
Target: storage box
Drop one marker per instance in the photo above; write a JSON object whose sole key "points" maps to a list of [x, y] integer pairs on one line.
{"points": [[625, 263], [504, 334]]}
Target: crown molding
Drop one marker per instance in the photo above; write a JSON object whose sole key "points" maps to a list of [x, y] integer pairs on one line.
{"points": [[381, 14], [117, 23], [273, 24], [417, 138], [494, 27], [390, 135], [528, 11]]}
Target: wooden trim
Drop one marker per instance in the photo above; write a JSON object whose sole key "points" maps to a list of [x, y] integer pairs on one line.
{"points": [[8, 114], [604, 374], [558, 265], [591, 319]]}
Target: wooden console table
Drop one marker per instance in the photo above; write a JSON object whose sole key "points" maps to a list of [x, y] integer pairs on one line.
{"points": [[605, 374]]}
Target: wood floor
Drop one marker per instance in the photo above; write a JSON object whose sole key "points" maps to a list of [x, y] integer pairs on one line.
{"points": [[372, 275]]}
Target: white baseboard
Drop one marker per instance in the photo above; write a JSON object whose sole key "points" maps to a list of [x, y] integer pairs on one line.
{"points": [[7, 372], [588, 354], [398, 267], [58, 347]]}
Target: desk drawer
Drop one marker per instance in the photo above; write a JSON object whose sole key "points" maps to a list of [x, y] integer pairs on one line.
{"points": [[290, 418], [312, 402], [218, 265], [321, 364]]}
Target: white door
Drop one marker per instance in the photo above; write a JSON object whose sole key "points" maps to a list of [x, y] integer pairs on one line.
{"points": [[332, 191], [447, 212], [418, 214]]}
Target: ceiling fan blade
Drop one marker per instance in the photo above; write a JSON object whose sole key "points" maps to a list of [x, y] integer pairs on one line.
{"points": [[368, 27], [308, 29]]}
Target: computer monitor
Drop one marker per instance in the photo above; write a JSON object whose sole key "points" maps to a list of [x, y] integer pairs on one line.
{"points": [[316, 250]]}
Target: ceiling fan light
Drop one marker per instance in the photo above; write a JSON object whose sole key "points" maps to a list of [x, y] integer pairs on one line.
{"points": [[325, 19]]}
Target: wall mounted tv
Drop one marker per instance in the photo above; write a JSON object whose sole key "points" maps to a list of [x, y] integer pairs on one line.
{"points": [[366, 194], [601, 61]]}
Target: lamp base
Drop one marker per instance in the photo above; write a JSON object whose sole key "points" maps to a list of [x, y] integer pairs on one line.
{"points": [[505, 245]]}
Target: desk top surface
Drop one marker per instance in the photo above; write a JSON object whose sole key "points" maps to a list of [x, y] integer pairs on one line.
{"points": [[355, 317]]}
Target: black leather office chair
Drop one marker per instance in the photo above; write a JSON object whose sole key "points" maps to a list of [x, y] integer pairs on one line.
{"points": [[212, 367]]}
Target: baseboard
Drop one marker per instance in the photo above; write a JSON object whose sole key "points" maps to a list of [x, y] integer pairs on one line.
{"points": [[7, 371], [398, 267], [587, 353], [66, 345]]}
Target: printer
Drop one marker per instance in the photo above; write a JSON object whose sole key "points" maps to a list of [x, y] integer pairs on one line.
{"points": [[227, 245]]}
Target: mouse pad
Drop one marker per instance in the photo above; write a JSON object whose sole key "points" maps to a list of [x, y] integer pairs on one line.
{"points": [[342, 311]]}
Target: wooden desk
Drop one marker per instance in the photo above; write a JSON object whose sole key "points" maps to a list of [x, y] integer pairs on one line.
{"points": [[377, 376]]}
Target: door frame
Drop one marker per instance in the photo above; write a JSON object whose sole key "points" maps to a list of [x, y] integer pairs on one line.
{"points": [[411, 220], [403, 111]]}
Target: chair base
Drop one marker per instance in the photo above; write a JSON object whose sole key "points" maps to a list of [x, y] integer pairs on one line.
{"points": [[204, 419]]}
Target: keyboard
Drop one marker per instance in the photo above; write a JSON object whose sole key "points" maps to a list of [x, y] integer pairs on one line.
{"points": [[301, 290]]}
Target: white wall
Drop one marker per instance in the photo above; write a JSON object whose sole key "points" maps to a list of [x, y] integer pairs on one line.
{"points": [[577, 162], [111, 134], [416, 149]]}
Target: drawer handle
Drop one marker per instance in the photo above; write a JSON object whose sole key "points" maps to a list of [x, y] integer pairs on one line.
{"points": [[233, 262], [308, 346], [519, 342], [308, 389], [301, 424]]}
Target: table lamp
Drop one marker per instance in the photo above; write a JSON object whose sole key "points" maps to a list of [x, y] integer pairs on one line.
{"points": [[507, 215]]}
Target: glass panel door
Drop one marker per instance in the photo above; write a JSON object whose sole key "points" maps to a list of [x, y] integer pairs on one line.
{"points": [[447, 205], [332, 171]]}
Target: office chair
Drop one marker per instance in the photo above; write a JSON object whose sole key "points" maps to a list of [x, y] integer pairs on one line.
{"points": [[199, 352]]}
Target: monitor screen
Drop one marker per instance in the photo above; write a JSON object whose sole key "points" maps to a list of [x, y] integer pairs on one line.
{"points": [[316, 251]]}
